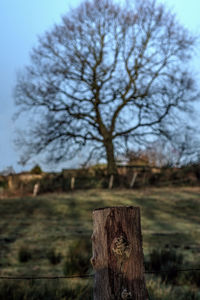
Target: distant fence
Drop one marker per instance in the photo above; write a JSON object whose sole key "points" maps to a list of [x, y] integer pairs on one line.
{"points": [[134, 176]]}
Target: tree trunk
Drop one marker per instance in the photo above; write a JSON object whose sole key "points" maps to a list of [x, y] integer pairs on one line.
{"points": [[111, 164], [118, 255]]}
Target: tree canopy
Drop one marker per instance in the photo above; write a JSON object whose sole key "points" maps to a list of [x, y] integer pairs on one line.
{"points": [[106, 76]]}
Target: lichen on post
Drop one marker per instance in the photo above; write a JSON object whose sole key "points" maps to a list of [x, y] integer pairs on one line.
{"points": [[117, 254]]}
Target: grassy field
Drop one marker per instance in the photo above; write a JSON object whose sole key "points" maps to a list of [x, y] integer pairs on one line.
{"points": [[170, 219]]}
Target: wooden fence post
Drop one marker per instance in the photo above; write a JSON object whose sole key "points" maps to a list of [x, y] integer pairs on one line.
{"points": [[36, 189], [10, 182], [111, 180], [133, 179], [72, 183], [117, 254]]}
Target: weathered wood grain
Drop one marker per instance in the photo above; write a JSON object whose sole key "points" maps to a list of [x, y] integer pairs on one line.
{"points": [[117, 254]]}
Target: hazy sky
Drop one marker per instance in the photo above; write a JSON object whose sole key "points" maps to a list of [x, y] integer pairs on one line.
{"points": [[21, 21]]}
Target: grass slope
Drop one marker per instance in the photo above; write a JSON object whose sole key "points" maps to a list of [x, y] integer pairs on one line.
{"points": [[170, 218]]}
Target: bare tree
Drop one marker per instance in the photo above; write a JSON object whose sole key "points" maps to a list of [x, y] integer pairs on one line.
{"points": [[108, 73]]}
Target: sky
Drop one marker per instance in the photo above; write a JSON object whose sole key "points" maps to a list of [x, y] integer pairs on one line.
{"points": [[21, 22]]}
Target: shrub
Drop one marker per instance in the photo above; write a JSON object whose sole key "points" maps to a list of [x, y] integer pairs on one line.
{"points": [[54, 257], [78, 258], [166, 263], [52, 182], [43, 290], [192, 277], [158, 290], [24, 254]]}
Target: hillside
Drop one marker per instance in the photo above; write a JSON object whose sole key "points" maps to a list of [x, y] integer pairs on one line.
{"points": [[54, 222], [170, 217]]}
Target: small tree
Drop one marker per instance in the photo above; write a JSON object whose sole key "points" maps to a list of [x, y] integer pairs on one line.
{"points": [[107, 74], [36, 170]]}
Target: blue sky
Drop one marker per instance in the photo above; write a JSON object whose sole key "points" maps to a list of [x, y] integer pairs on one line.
{"points": [[21, 21]]}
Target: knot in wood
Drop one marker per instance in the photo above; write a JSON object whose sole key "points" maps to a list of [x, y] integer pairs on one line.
{"points": [[121, 247], [93, 261], [126, 295]]}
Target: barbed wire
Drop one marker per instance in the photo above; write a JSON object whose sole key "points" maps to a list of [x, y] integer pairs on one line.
{"points": [[46, 277], [167, 271], [86, 275]]}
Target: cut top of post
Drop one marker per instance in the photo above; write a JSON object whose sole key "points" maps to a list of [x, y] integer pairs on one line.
{"points": [[116, 207]]}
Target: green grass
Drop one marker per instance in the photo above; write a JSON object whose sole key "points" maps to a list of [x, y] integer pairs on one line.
{"points": [[170, 219]]}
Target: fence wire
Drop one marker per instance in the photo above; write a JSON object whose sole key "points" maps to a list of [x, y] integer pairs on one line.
{"points": [[86, 275], [46, 277]]}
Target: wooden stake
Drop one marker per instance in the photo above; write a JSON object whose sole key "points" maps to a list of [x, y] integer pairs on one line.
{"points": [[117, 254], [72, 183], [10, 182], [133, 179], [36, 189], [111, 182]]}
